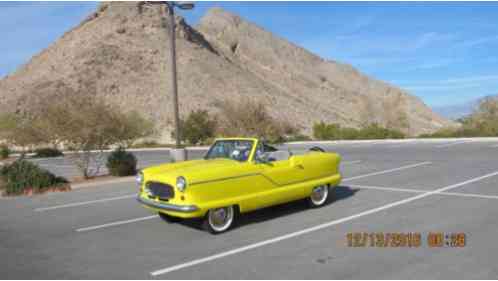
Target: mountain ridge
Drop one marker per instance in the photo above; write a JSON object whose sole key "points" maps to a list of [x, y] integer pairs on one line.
{"points": [[120, 52]]}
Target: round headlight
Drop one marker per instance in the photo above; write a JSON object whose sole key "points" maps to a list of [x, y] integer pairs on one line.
{"points": [[181, 184], [139, 178]]}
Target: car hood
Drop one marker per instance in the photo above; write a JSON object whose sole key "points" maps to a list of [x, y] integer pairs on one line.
{"points": [[194, 171]]}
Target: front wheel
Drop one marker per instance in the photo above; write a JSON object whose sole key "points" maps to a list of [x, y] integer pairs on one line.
{"points": [[319, 196], [219, 220]]}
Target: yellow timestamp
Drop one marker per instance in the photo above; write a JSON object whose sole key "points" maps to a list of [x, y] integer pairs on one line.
{"points": [[384, 240], [408, 240], [442, 239]]}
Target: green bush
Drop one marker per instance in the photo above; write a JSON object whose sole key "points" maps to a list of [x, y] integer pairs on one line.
{"points": [[47, 152], [121, 163], [23, 177], [323, 131], [198, 127], [297, 137], [464, 132], [4, 152], [248, 118], [374, 131]]}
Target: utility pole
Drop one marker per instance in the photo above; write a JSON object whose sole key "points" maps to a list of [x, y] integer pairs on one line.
{"points": [[179, 153]]}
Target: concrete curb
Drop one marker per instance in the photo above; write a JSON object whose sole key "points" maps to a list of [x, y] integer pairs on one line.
{"points": [[490, 139], [103, 182]]}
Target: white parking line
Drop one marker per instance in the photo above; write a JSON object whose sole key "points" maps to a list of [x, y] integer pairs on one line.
{"points": [[388, 171], [387, 188], [473, 195], [483, 196], [85, 202], [313, 229], [451, 144], [115, 223], [351, 162]]}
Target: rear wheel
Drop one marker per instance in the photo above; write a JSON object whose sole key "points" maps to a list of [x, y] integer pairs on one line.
{"points": [[319, 196], [169, 219], [219, 220]]}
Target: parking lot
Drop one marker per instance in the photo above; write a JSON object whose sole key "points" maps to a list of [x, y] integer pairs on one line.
{"points": [[101, 232]]}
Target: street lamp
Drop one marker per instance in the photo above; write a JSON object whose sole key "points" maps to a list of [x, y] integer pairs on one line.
{"points": [[178, 154]]}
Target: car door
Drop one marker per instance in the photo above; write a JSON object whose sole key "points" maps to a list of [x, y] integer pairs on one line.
{"points": [[283, 176]]}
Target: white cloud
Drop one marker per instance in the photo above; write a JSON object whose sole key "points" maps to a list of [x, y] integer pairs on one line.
{"points": [[478, 41], [481, 78], [451, 83]]}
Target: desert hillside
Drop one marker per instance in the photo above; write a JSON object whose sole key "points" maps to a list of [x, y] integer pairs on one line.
{"points": [[120, 52]]}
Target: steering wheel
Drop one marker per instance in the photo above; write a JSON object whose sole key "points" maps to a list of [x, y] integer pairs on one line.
{"points": [[316, 148]]}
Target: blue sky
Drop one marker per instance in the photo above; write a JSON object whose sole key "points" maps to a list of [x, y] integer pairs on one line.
{"points": [[445, 53]]}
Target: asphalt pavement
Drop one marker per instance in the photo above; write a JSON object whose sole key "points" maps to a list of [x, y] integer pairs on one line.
{"points": [[101, 232]]}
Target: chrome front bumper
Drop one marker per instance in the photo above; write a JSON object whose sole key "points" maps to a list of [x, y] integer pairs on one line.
{"points": [[168, 207]]}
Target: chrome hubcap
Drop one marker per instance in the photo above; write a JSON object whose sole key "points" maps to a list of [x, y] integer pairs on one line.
{"points": [[221, 218], [319, 194]]}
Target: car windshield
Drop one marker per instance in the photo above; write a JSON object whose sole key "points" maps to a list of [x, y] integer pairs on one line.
{"points": [[238, 150]]}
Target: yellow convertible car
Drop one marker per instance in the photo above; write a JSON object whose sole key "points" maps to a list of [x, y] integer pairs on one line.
{"points": [[237, 175]]}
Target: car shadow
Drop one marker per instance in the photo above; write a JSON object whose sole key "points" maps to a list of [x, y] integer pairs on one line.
{"points": [[337, 194]]}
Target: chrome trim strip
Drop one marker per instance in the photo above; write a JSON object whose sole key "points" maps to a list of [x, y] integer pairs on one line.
{"points": [[168, 207], [227, 178], [264, 176]]}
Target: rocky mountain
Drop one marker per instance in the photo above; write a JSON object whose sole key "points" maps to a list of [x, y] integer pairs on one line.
{"points": [[120, 52]]}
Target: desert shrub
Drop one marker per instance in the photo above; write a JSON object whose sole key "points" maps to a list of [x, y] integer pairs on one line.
{"points": [[3, 172], [19, 129], [297, 137], [80, 120], [462, 132], [374, 131], [350, 134], [47, 152], [485, 117], [442, 133], [323, 131], [88, 125], [251, 119], [147, 144], [4, 152], [198, 127], [23, 176], [121, 163]]}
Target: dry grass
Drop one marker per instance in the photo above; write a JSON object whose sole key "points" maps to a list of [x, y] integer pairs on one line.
{"points": [[251, 119]]}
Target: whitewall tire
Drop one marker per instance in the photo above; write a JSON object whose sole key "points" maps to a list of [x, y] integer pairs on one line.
{"points": [[219, 220]]}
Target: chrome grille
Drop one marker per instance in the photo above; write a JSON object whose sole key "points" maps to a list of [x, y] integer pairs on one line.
{"points": [[161, 190]]}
